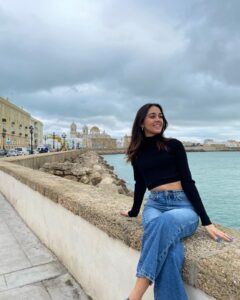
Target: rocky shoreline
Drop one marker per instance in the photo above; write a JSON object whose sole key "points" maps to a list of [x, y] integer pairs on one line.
{"points": [[89, 168]]}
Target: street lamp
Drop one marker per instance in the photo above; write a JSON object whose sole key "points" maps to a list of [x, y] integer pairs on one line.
{"points": [[31, 141], [4, 131], [64, 138], [53, 140]]}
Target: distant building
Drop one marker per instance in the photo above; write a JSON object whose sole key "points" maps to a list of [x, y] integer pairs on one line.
{"points": [[126, 141], [14, 127], [73, 130], [190, 144], [92, 139], [209, 142], [232, 144], [120, 143], [37, 132]]}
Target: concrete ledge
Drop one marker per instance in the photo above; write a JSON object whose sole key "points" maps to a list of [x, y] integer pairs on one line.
{"points": [[213, 268]]}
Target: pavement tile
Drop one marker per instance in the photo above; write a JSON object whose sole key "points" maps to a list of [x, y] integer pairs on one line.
{"points": [[3, 226], [2, 283], [36, 252], [12, 259], [64, 287], [30, 292], [34, 274], [7, 239]]}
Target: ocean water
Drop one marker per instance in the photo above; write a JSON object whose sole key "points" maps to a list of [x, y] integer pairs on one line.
{"points": [[217, 176]]}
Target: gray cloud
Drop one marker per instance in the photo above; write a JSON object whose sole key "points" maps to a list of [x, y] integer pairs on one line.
{"points": [[98, 62]]}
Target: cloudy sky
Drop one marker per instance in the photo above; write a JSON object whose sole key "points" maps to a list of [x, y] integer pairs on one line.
{"points": [[96, 62]]}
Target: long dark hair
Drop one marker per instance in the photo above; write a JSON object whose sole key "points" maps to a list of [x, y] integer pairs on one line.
{"points": [[137, 137]]}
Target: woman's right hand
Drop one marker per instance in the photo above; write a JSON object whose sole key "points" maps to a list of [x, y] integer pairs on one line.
{"points": [[217, 234], [124, 213]]}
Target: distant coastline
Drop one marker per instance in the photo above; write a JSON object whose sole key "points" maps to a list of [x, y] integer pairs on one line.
{"points": [[202, 148], [211, 148]]}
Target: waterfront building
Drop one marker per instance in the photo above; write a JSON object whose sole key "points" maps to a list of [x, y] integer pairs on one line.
{"points": [[190, 144], [120, 143], [73, 131], [14, 127], [232, 144], [37, 132], [92, 138], [126, 141], [208, 142]]}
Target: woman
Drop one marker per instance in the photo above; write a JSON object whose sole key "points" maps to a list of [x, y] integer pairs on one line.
{"points": [[173, 208]]}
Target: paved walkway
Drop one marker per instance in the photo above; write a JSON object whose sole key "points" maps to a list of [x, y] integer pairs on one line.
{"points": [[28, 270]]}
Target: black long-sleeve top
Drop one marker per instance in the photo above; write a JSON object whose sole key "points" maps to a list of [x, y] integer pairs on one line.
{"points": [[153, 167]]}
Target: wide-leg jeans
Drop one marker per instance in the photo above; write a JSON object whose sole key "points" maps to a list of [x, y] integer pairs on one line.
{"points": [[168, 217]]}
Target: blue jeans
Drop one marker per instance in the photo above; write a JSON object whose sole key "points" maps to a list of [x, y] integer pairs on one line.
{"points": [[168, 217]]}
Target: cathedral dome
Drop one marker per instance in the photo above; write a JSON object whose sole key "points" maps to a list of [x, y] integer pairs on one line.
{"points": [[94, 130]]}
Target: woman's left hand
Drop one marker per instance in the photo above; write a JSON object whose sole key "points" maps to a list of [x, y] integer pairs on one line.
{"points": [[217, 234], [124, 213]]}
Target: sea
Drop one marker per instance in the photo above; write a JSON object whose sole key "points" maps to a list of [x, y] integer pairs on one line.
{"points": [[217, 178]]}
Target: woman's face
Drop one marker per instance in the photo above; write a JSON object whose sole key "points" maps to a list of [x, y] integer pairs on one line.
{"points": [[153, 121]]}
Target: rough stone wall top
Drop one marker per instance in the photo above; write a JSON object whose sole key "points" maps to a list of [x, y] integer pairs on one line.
{"points": [[210, 266]]}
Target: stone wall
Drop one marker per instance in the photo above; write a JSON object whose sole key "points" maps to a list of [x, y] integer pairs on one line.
{"points": [[210, 268]]}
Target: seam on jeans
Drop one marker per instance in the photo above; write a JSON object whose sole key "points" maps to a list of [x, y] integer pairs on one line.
{"points": [[165, 251]]}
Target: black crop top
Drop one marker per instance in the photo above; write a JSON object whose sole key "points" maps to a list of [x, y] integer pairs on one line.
{"points": [[154, 167]]}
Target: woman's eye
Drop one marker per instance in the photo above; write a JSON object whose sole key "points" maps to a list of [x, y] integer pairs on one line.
{"points": [[153, 117]]}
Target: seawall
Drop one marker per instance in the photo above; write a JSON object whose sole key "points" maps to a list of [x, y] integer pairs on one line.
{"points": [[82, 226]]}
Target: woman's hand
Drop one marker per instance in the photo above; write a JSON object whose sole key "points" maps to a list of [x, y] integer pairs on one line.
{"points": [[217, 234], [124, 213]]}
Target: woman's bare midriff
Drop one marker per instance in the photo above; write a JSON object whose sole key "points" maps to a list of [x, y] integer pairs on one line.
{"points": [[169, 186]]}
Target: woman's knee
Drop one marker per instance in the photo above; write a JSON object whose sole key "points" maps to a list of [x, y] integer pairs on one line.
{"points": [[185, 221], [184, 216]]}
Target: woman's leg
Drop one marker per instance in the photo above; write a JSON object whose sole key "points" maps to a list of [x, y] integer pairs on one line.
{"points": [[162, 236], [142, 283], [169, 283], [140, 288]]}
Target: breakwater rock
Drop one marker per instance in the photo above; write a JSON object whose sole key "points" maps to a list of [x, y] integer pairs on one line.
{"points": [[89, 168]]}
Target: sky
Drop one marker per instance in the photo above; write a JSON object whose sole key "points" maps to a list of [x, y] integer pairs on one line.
{"points": [[97, 62]]}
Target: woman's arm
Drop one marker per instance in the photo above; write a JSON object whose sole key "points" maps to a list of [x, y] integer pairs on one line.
{"points": [[139, 191], [191, 191], [187, 182]]}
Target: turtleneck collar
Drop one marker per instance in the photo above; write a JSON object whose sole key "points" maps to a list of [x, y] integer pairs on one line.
{"points": [[152, 139]]}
